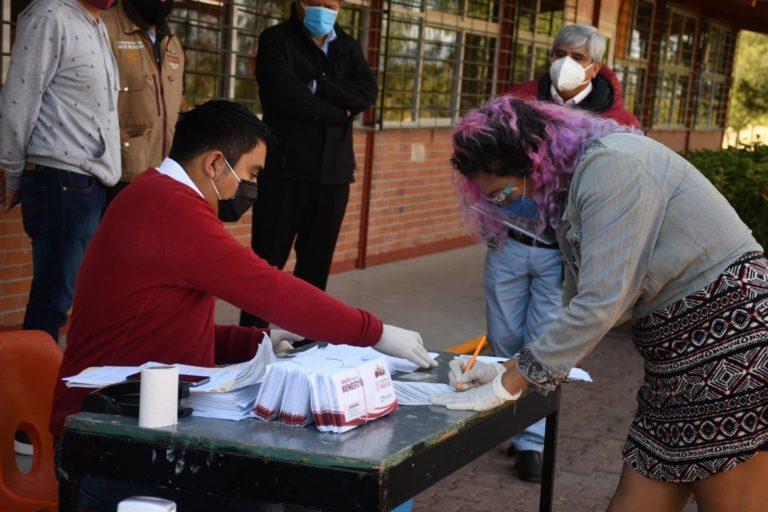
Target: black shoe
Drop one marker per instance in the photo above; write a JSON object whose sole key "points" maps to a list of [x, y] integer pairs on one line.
{"points": [[528, 465]]}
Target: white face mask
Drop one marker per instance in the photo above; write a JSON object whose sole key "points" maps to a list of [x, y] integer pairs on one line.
{"points": [[567, 74]]}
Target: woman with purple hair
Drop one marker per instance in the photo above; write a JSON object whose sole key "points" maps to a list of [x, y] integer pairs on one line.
{"points": [[644, 237]]}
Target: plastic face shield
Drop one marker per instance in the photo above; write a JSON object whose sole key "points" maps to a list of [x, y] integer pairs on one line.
{"points": [[504, 194]]}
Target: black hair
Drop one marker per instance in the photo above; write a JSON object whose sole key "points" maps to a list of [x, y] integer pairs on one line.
{"points": [[218, 125], [510, 131]]}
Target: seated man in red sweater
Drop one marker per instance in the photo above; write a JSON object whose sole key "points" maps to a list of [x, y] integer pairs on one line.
{"points": [[152, 273]]}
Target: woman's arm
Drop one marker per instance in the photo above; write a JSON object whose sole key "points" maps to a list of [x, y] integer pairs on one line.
{"points": [[621, 208]]}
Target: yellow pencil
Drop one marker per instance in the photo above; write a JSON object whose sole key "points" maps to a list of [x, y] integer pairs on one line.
{"points": [[479, 348]]}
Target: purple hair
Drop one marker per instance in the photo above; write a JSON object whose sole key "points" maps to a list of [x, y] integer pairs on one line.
{"points": [[509, 136]]}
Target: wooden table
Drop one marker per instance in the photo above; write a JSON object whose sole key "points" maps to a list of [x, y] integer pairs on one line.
{"points": [[375, 467]]}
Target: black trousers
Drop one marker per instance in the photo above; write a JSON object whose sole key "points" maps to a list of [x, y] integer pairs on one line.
{"points": [[309, 213]]}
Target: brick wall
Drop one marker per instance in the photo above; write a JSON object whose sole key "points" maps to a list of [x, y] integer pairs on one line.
{"points": [[413, 207], [15, 268]]}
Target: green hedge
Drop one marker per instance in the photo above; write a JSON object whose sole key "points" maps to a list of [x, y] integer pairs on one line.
{"points": [[741, 175]]}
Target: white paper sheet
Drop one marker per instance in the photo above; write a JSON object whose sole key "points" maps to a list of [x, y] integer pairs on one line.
{"points": [[576, 374], [418, 393], [232, 405], [224, 378]]}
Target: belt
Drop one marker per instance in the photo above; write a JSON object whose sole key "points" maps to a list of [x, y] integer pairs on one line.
{"points": [[529, 241]]}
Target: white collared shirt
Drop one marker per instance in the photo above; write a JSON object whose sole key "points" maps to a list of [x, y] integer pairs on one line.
{"points": [[573, 101], [173, 170]]}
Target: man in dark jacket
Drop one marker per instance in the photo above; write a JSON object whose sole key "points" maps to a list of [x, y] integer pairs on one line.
{"points": [[313, 79]]}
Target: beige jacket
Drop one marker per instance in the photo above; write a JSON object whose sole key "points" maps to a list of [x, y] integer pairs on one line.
{"points": [[150, 94], [644, 229]]}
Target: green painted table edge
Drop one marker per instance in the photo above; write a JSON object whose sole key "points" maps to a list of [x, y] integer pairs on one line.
{"points": [[104, 425]]}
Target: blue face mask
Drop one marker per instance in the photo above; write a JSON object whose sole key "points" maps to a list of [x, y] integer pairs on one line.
{"points": [[523, 206], [319, 21]]}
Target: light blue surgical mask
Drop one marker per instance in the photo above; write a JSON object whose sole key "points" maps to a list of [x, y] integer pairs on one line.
{"points": [[319, 21]]}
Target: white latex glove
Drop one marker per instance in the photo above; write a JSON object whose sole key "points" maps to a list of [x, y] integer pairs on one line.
{"points": [[481, 398], [406, 344], [282, 340], [479, 374]]}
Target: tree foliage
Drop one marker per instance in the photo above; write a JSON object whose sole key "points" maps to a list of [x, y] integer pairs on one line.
{"points": [[749, 104]]}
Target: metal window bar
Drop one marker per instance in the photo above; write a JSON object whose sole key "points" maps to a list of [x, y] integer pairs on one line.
{"points": [[672, 109], [536, 23], [632, 52], [719, 42], [437, 58], [455, 66], [6, 27]]}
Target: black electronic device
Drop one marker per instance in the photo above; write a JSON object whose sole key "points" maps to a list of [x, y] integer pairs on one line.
{"points": [[123, 399], [191, 380]]}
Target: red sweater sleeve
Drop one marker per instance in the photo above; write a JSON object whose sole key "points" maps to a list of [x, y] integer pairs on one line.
{"points": [[205, 257], [235, 344]]}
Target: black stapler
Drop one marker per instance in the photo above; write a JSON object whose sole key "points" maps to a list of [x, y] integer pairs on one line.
{"points": [[123, 399]]}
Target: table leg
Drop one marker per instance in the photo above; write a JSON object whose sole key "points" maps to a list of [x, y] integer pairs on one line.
{"points": [[548, 469]]}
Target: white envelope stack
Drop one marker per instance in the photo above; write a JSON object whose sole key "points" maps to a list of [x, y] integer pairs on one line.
{"points": [[333, 387]]}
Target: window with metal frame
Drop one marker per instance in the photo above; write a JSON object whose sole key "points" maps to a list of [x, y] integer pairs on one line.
{"points": [[672, 107], [537, 22], [711, 107], [632, 53], [436, 58], [220, 40], [9, 12]]}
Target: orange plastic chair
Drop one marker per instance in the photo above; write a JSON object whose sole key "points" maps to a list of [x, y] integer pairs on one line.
{"points": [[29, 365]]}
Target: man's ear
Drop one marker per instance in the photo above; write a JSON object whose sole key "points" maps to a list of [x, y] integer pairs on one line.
{"points": [[597, 67], [209, 162]]}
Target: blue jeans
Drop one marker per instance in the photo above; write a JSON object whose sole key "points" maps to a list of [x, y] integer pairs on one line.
{"points": [[60, 211], [524, 293]]}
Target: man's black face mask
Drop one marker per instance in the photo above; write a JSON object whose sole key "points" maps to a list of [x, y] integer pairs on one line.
{"points": [[230, 210]]}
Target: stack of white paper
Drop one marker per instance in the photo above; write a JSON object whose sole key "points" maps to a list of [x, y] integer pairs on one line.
{"points": [[235, 376], [334, 387], [396, 364], [233, 405], [233, 395], [99, 376], [418, 393], [223, 378], [230, 394]]}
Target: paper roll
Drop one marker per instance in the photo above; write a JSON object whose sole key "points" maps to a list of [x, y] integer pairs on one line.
{"points": [[159, 397]]}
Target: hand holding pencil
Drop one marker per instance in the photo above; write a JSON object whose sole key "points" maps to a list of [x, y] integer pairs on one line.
{"points": [[467, 373], [482, 383]]}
